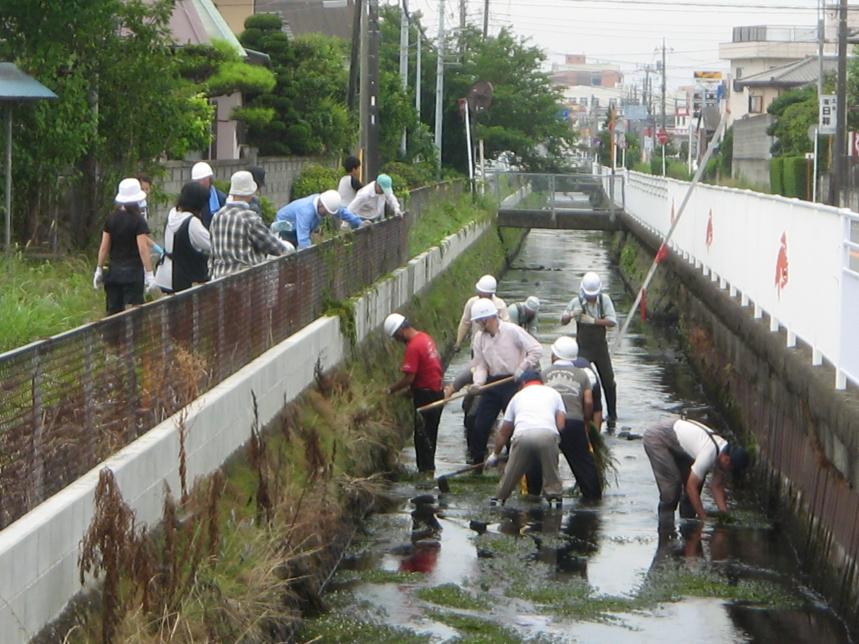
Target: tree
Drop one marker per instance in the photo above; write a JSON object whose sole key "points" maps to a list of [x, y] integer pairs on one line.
{"points": [[122, 104], [794, 111], [307, 111]]}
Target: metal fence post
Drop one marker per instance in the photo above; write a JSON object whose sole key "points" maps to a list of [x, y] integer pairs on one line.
{"points": [[552, 198], [37, 471]]}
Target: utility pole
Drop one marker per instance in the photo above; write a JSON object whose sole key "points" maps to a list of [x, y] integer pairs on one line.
{"points": [[439, 84], [363, 87], [371, 160], [418, 74], [820, 38], [663, 84], [355, 57], [462, 25], [404, 62], [485, 19], [837, 182]]}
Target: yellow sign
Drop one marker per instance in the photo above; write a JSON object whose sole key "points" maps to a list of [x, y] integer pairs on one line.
{"points": [[708, 76]]}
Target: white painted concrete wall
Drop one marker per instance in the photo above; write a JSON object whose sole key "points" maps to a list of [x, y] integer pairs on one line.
{"points": [[736, 237], [39, 552]]}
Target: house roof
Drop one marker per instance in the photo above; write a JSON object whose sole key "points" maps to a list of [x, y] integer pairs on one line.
{"points": [[329, 17], [794, 74], [18, 87], [198, 22]]}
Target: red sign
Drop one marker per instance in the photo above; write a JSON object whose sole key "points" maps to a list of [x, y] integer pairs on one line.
{"points": [[781, 266], [662, 137], [709, 236]]}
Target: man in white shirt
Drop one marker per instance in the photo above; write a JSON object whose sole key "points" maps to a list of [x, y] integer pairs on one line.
{"points": [[369, 202], [681, 455], [501, 350], [485, 288], [534, 418]]}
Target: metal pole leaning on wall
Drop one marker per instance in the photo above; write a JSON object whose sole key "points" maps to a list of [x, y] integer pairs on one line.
{"points": [[652, 271]]}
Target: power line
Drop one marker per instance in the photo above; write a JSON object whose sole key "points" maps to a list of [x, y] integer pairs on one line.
{"points": [[663, 5]]}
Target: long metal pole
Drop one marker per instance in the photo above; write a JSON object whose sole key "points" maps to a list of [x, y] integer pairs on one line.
{"points": [[439, 84], [9, 179], [418, 76], [468, 142], [716, 138], [820, 38], [664, 123], [485, 19], [404, 62], [841, 108], [371, 163], [363, 89]]}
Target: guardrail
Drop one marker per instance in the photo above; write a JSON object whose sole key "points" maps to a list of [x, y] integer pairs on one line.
{"points": [[553, 192], [788, 259], [68, 402]]}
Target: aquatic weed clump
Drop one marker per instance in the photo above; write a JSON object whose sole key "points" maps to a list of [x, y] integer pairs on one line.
{"points": [[453, 596]]}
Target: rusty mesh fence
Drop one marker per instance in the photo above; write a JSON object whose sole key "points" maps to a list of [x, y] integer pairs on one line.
{"points": [[70, 401]]}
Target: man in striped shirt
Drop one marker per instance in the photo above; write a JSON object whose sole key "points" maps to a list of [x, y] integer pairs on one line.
{"points": [[240, 238]]}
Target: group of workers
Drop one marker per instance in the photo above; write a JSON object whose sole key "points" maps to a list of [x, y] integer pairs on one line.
{"points": [[546, 413], [210, 234]]}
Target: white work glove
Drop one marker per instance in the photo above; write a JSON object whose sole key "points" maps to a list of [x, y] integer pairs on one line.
{"points": [[492, 461], [587, 319], [365, 223], [98, 278], [149, 283], [288, 248]]}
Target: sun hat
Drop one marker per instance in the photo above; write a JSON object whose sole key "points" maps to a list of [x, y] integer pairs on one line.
{"points": [[532, 303], [242, 184], [201, 170], [129, 191]]}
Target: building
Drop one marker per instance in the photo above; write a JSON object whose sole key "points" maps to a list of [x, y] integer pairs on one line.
{"points": [[758, 91], [329, 17], [235, 12]]}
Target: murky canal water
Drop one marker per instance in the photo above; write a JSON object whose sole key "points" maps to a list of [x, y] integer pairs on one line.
{"points": [[596, 573]]}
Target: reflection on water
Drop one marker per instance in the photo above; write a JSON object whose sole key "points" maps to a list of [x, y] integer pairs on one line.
{"points": [[613, 546]]}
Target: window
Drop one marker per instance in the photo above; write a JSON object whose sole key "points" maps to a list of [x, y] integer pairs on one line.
{"points": [[756, 104], [739, 73], [596, 79]]}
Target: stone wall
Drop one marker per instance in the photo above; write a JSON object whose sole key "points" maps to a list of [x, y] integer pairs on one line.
{"points": [[803, 431]]}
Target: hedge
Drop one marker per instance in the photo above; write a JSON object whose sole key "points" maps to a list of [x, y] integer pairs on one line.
{"points": [[777, 175], [794, 177]]}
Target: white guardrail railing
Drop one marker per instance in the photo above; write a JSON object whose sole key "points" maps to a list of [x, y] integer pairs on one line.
{"points": [[795, 261]]}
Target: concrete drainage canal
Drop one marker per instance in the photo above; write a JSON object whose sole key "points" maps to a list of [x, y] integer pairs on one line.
{"points": [[448, 567]]}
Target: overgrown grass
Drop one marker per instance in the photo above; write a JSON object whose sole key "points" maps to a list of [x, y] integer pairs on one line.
{"points": [[40, 298], [443, 219]]}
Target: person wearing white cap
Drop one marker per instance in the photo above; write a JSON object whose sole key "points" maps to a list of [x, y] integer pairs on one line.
{"points": [[485, 288], [202, 173], [594, 313], [369, 202], [240, 237], [501, 350], [125, 242], [298, 219], [525, 314]]}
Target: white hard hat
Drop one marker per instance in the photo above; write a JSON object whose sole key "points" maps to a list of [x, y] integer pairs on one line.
{"points": [[566, 348], [483, 308], [242, 184], [591, 284], [201, 170], [532, 303], [330, 201], [486, 284], [393, 323], [129, 191]]}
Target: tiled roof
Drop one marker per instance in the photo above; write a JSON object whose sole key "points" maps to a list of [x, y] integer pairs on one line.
{"points": [[198, 22], [794, 74]]}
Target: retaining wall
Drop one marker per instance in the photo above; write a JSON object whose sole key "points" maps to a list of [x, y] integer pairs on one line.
{"points": [[39, 552], [806, 433]]}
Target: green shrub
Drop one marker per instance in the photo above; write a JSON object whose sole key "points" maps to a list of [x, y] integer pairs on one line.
{"points": [[777, 175], [314, 179], [795, 177], [410, 175]]}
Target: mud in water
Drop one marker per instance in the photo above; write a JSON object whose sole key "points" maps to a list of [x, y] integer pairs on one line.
{"points": [[451, 568]]}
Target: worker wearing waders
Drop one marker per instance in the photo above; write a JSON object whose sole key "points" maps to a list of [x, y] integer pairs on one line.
{"points": [[525, 314], [594, 312], [422, 372], [681, 455], [485, 289], [531, 423], [501, 350]]}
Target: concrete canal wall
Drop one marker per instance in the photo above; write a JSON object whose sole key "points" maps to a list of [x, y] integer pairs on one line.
{"points": [[39, 553], [804, 432]]}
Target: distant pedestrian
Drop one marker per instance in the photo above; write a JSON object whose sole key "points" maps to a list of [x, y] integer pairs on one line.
{"points": [[240, 238], [258, 173], [525, 314], [485, 288], [203, 174], [594, 312], [422, 373], [501, 350], [298, 219], [125, 249], [682, 453], [369, 202], [532, 422], [187, 243], [350, 183]]}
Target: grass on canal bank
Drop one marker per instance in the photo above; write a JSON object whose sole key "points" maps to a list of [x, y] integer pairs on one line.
{"points": [[242, 554]]}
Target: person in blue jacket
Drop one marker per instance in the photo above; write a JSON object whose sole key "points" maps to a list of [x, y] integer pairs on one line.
{"points": [[298, 219]]}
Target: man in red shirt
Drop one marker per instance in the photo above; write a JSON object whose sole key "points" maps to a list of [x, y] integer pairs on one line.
{"points": [[422, 372]]}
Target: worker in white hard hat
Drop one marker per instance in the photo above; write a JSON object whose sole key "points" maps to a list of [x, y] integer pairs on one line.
{"points": [[422, 374], [501, 350], [525, 313], [594, 312], [485, 288], [574, 385], [298, 219], [202, 173], [239, 236]]}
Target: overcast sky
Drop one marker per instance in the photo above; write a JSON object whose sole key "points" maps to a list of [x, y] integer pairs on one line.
{"points": [[629, 32]]}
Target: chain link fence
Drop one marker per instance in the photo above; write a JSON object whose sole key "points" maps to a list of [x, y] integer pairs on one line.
{"points": [[72, 400]]}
